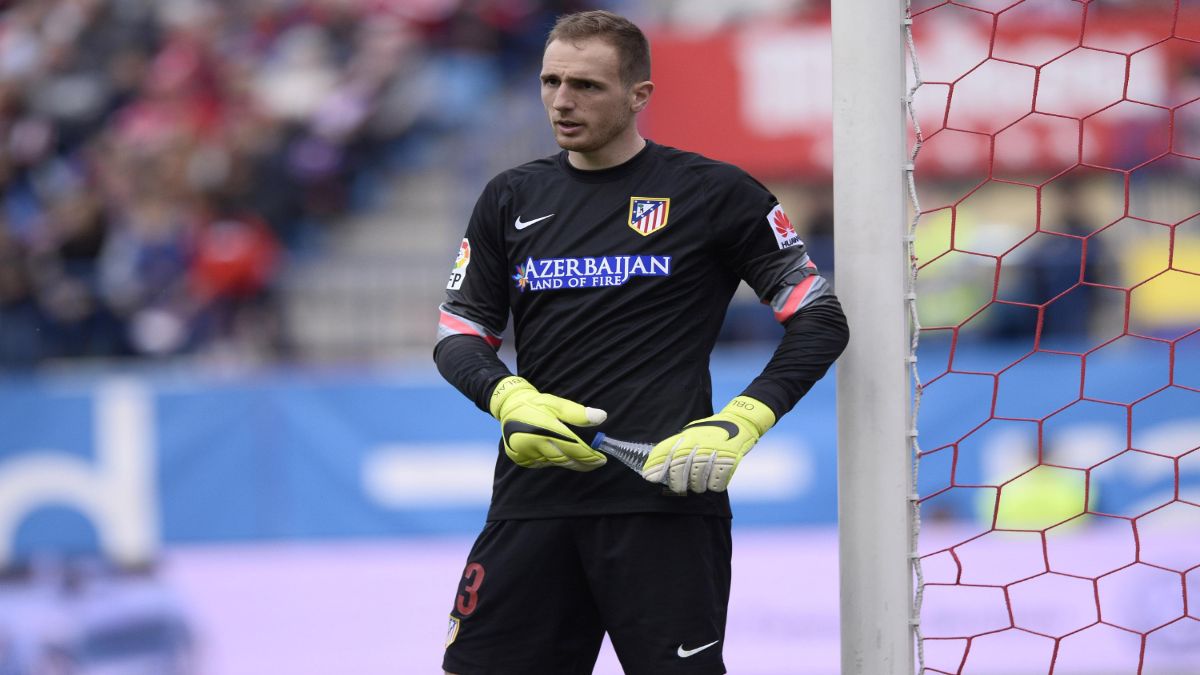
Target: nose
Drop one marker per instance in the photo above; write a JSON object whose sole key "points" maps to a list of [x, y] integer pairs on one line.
{"points": [[562, 99]]}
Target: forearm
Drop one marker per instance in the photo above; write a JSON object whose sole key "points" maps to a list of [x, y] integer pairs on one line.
{"points": [[471, 365], [814, 338]]}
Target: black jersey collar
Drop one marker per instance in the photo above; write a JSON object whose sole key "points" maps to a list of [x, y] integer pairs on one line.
{"points": [[606, 175]]}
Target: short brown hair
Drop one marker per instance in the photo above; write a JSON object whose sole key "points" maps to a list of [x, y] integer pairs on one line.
{"points": [[632, 46]]}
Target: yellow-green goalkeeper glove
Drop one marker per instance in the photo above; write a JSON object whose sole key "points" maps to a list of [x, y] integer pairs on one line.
{"points": [[535, 430], [704, 455]]}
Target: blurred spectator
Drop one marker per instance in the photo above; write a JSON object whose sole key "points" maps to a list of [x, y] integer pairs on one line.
{"points": [[144, 275], [66, 263], [234, 259], [20, 316], [1052, 270]]}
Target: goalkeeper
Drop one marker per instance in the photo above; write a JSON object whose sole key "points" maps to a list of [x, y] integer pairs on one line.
{"points": [[616, 259]]}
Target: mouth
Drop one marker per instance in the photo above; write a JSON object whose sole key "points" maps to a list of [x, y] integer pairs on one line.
{"points": [[567, 126]]}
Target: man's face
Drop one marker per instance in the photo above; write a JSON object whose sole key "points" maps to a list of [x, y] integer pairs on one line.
{"points": [[587, 103]]}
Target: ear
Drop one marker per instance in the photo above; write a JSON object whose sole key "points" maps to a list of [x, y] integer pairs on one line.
{"points": [[639, 95]]}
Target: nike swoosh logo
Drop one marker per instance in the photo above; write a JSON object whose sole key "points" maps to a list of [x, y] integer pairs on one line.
{"points": [[522, 224], [729, 427], [514, 427], [684, 653]]}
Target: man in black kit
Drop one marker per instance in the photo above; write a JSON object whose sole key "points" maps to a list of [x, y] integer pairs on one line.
{"points": [[617, 259]]}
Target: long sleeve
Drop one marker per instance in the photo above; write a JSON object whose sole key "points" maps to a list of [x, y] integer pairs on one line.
{"points": [[470, 364], [814, 338]]}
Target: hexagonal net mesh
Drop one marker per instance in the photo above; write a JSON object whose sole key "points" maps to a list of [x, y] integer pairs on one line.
{"points": [[1056, 214]]}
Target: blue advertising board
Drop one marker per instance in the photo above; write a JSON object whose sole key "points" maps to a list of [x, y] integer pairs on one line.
{"points": [[131, 463]]}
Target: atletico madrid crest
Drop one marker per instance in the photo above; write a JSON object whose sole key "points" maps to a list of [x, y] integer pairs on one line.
{"points": [[648, 214]]}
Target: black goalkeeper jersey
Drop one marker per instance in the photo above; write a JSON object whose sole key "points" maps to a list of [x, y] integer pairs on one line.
{"points": [[617, 282]]}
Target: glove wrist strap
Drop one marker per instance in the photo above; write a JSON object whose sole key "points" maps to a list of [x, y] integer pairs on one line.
{"points": [[757, 413], [505, 388]]}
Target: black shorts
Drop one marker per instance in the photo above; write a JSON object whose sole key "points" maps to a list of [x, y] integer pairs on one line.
{"points": [[537, 596]]}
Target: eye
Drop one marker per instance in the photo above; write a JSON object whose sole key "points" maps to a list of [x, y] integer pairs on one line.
{"points": [[549, 81]]}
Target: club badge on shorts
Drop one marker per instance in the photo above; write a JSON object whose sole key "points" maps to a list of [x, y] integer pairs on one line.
{"points": [[452, 630], [648, 214]]}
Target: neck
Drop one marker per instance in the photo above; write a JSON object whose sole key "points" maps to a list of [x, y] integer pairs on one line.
{"points": [[619, 151]]}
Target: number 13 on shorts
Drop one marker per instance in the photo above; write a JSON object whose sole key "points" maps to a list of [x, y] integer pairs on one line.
{"points": [[467, 599]]}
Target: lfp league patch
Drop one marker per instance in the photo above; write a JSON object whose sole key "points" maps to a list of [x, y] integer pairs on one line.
{"points": [[781, 227], [460, 266], [452, 630], [648, 214]]}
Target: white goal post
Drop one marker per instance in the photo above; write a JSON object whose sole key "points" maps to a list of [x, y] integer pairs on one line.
{"points": [[875, 507]]}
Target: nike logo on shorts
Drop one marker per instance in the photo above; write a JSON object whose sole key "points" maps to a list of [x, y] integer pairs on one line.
{"points": [[684, 653], [522, 224]]}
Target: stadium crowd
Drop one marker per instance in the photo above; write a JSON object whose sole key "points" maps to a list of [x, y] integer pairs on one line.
{"points": [[161, 161]]}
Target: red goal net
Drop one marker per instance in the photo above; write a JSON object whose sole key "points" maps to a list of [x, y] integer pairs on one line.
{"points": [[1057, 245]]}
